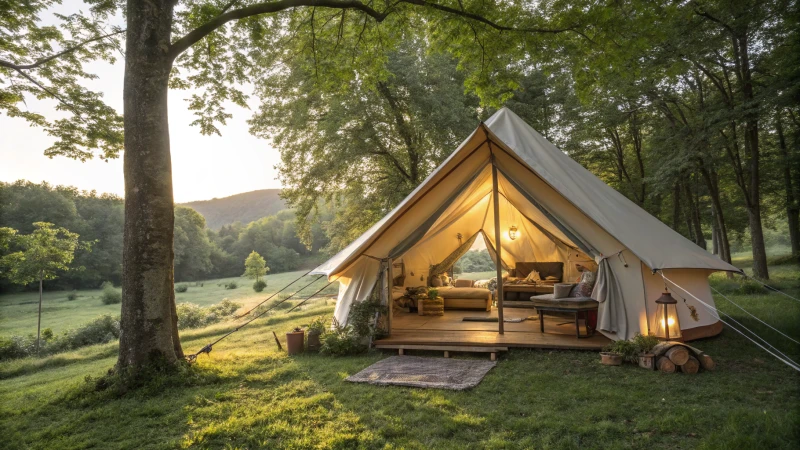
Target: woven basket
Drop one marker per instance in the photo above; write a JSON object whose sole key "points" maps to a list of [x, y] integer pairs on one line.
{"points": [[433, 307]]}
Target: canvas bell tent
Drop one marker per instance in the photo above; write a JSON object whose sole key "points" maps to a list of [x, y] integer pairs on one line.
{"points": [[530, 202]]}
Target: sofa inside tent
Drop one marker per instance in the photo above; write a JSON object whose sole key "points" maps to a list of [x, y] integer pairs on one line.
{"points": [[531, 204]]}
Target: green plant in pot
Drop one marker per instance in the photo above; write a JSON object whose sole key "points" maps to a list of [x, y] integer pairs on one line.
{"points": [[315, 329], [645, 345], [433, 294], [614, 353]]}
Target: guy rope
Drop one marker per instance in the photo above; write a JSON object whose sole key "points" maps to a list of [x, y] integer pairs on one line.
{"points": [[207, 349]]}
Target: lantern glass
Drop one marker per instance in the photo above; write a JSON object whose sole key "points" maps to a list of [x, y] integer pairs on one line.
{"points": [[512, 232], [666, 321]]}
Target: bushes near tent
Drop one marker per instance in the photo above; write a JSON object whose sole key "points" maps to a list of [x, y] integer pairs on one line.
{"points": [[111, 295]]}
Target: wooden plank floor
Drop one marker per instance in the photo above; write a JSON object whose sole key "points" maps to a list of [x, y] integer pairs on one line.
{"points": [[450, 329]]}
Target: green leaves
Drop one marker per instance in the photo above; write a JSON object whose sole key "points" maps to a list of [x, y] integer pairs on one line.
{"points": [[42, 254], [46, 62]]}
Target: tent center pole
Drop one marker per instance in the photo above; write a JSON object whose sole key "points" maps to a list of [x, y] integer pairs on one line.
{"points": [[498, 248]]}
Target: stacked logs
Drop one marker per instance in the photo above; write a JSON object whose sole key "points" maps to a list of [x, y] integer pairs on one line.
{"points": [[672, 356]]}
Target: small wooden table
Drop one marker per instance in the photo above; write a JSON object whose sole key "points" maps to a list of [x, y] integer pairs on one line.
{"points": [[541, 309]]}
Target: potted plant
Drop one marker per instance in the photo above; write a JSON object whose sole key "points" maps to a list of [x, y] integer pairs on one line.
{"points": [[617, 351], [610, 358], [433, 294], [645, 346], [315, 330]]}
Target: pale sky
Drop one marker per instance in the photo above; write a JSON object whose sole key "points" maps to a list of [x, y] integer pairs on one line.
{"points": [[203, 167]]}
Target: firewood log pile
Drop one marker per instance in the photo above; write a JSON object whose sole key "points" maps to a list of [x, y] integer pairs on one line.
{"points": [[672, 356]]}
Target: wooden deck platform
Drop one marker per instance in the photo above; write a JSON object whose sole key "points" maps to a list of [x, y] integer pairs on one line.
{"points": [[450, 330]]}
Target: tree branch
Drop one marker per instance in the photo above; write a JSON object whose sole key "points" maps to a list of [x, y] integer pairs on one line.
{"points": [[44, 60], [204, 30]]}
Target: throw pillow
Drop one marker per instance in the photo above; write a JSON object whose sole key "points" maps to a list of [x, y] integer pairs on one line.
{"points": [[581, 290], [533, 276], [399, 280], [436, 282]]}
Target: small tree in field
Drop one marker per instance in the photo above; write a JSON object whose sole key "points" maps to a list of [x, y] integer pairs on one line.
{"points": [[41, 256], [256, 267]]}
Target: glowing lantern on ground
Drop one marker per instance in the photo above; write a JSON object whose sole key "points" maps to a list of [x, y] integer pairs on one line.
{"points": [[667, 326]]}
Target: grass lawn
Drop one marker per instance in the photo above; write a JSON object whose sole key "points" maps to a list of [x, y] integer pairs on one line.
{"points": [[246, 394], [18, 311]]}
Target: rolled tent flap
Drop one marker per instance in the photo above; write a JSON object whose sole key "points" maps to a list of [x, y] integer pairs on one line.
{"points": [[355, 285], [453, 257], [611, 314]]}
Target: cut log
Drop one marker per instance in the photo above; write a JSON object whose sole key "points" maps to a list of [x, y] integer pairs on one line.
{"points": [[678, 354], [662, 347], [692, 365], [705, 360], [665, 365]]}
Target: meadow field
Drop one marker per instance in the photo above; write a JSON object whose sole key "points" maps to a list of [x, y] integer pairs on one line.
{"points": [[247, 394]]}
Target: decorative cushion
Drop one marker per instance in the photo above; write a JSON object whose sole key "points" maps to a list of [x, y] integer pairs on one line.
{"points": [[585, 287], [533, 276], [562, 290], [462, 282], [545, 269], [436, 282], [399, 280]]}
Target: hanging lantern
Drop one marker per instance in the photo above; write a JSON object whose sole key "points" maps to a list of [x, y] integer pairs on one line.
{"points": [[512, 232], [667, 326]]}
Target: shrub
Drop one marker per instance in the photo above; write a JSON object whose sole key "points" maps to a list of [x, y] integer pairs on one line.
{"points": [[362, 318], [318, 325], [341, 341], [194, 316], [181, 288], [101, 330], [14, 347], [190, 315], [628, 349], [748, 287], [231, 285], [259, 285], [72, 296], [111, 295], [645, 344]]}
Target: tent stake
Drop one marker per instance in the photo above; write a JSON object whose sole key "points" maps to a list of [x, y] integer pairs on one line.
{"points": [[497, 248]]}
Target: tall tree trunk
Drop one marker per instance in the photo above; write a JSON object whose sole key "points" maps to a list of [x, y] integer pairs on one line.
{"points": [[39, 323], [676, 207], [742, 59], [694, 215], [714, 234], [712, 184], [148, 297], [791, 186]]}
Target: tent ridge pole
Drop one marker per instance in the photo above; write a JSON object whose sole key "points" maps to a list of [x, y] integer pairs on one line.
{"points": [[498, 247]]}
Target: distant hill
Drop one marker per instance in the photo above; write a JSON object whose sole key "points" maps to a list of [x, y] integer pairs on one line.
{"points": [[245, 207]]}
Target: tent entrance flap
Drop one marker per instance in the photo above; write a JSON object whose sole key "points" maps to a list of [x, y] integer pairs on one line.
{"points": [[420, 232]]}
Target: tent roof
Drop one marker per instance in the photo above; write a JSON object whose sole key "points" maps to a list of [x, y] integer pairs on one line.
{"points": [[648, 238]]}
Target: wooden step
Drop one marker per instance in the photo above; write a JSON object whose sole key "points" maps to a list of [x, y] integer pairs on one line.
{"points": [[445, 348]]}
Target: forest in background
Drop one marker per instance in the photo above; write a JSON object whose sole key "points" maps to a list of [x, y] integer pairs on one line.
{"points": [[690, 109], [200, 252]]}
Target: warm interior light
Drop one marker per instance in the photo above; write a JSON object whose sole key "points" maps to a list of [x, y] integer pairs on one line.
{"points": [[666, 322], [512, 232]]}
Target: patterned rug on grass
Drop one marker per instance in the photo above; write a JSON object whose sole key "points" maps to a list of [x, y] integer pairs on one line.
{"points": [[416, 371]]}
